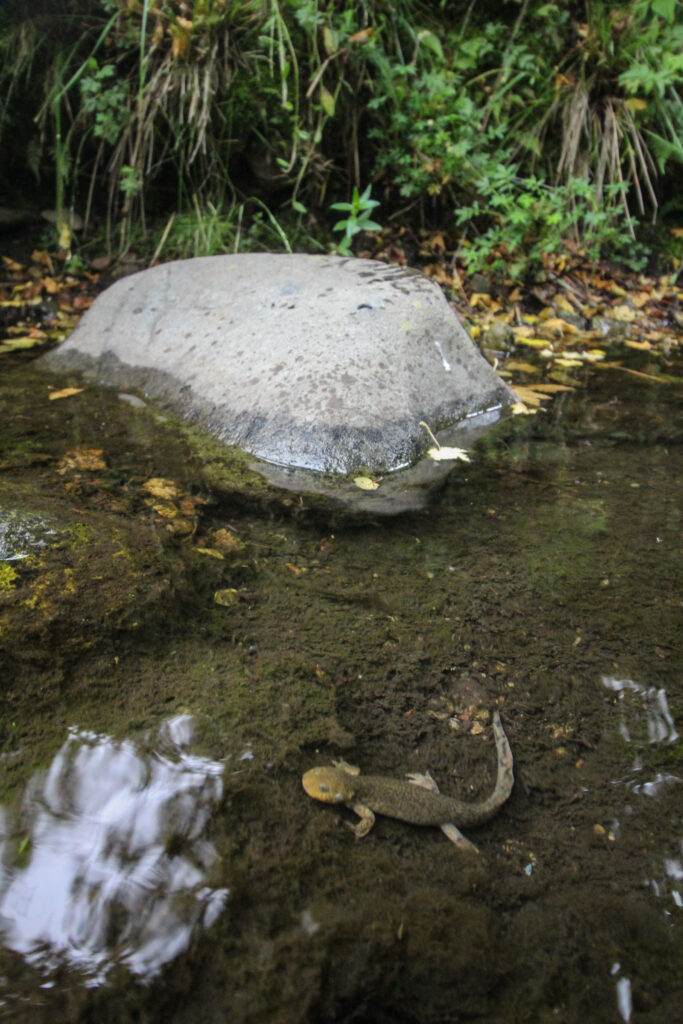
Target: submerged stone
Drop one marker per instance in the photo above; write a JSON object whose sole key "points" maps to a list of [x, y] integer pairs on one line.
{"points": [[315, 362]]}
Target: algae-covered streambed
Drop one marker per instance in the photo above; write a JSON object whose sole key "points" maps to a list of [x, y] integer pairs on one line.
{"points": [[160, 861]]}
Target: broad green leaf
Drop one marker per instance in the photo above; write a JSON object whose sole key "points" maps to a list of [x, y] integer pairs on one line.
{"points": [[329, 40], [327, 101], [432, 42]]}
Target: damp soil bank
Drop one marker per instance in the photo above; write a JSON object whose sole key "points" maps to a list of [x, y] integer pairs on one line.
{"points": [[544, 579]]}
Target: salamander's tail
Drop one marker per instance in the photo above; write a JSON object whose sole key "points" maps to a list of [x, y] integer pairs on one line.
{"points": [[505, 778]]}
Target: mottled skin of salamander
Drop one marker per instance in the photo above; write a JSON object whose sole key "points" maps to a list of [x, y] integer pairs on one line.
{"points": [[417, 801]]}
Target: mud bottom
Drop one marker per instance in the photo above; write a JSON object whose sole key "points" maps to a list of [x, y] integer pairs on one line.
{"points": [[544, 581]]}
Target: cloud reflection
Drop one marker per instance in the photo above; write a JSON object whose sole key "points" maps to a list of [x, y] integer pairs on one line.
{"points": [[108, 864]]}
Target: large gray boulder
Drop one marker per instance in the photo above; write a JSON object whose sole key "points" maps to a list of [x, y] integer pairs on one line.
{"points": [[319, 362]]}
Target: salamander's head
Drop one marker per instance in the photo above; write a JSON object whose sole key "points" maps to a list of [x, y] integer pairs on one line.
{"points": [[331, 785]]}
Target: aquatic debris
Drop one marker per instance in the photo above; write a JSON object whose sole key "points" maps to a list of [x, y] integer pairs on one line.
{"points": [[64, 393], [441, 453], [365, 483]]}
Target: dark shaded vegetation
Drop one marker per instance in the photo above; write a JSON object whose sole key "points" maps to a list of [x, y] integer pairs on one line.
{"points": [[196, 126]]}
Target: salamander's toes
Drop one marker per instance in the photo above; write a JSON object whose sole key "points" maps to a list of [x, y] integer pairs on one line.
{"points": [[424, 781]]}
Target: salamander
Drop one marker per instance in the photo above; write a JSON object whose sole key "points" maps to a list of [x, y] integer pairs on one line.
{"points": [[417, 801]]}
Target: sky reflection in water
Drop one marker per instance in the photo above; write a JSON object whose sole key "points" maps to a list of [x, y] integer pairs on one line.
{"points": [[645, 718], [100, 882]]}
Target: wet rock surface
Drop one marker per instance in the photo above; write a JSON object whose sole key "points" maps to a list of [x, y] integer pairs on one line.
{"points": [[322, 363]]}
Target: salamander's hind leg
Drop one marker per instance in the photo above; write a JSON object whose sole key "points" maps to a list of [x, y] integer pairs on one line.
{"points": [[367, 820], [454, 834]]}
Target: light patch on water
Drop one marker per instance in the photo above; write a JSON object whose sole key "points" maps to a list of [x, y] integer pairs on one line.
{"points": [[624, 1002], [308, 922], [650, 719], [655, 787], [133, 400], [446, 364], [108, 863]]}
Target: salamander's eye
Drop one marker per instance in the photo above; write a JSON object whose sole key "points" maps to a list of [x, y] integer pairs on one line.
{"points": [[323, 788]]}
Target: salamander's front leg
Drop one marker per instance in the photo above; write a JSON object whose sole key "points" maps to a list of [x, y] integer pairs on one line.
{"points": [[367, 820], [453, 833]]}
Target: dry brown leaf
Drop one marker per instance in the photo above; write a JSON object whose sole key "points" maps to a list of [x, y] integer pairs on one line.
{"points": [[42, 257], [224, 540], [182, 527], [556, 323], [12, 264], [82, 459]]}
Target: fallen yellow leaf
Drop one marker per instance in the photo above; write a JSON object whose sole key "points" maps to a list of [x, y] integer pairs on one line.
{"points": [[522, 367], [445, 454], [11, 344], [527, 396], [533, 342], [166, 511], [523, 330], [64, 393], [624, 314], [159, 487], [365, 483], [550, 389]]}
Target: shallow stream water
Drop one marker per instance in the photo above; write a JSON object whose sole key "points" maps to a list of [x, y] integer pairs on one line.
{"points": [[159, 860]]}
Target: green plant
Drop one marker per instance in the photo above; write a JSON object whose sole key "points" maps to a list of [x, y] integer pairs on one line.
{"points": [[358, 218], [526, 221], [616, 105], [524, 124]]}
